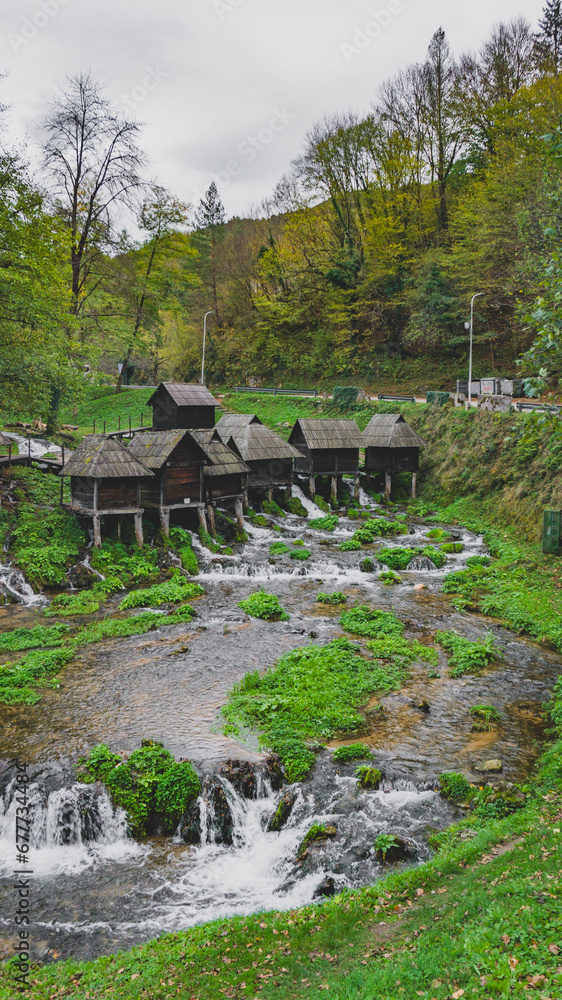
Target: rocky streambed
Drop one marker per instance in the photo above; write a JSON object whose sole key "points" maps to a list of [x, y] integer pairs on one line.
{"points": [[97, 890]]}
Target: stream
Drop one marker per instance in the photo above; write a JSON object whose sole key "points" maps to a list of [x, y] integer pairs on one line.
{"points": [[95, 890]]}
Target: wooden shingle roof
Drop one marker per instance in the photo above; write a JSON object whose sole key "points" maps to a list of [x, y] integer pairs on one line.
{"points": [[221, 460], [185, 394], [153, 448], [103, 458], [328, 434], [254, 441], [390, 430]]}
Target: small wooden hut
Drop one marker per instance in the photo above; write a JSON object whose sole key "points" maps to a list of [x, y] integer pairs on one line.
{"points": [[269, 458], [391, 446], [327, 448], [178, 405], [176, 461], [225, 476], [106, 479]]}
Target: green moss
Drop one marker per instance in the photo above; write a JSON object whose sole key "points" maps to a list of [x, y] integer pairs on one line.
{"points": [[452, 548], [296, 507], [262, 605], [320, 502], [181, 542], [352, 751], [335, 598], [399, 558], [439, 535], [300, 554], [272, 508], [259, 521], [278, 549], [174, 590], [318, 831], [208, 541], [151, 786], [390, 579], [367, 566], [128, 564]]}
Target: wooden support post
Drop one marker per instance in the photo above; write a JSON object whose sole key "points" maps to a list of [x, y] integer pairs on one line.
{"points": [[334, 489], [129, 425], [138, 530], [289, 492], [239, 513], [212, 523], [202, 518], [104, 428], [245, 499], [119, 423], [9, 456], [142, 418], [414, 481], [270, 494], [312, 487], [119, 524], [97, 531], [387, 485], [165, 521], [356, 486], [94, 427], [61, 487]]}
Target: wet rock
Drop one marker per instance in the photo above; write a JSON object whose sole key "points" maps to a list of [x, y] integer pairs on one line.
{"points": [[248, 779], [491, 766], [327, 887], [190, 826], [80, 577], [283, 811], [369, 778], [219, 810], [399, 851], [422, 705], [313, 635]]}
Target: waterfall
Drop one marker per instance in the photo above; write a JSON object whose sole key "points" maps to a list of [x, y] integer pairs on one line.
{"points": [[420, 564], [14, 585], [70, 828]]}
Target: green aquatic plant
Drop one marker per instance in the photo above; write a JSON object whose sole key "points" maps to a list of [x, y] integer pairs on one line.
{"points": [[181, 542], [328, 523], [399, 558], [439, 535], [310, 696], [318, 831], [266, 606], [335, 598], [350, 752], [485, 716], [171, 592], [84, 603], [122, 628], [384, 843], [272, 508], [452, 548], [371, 622], [296, 507], [19, 681], [466, 657], [455, 787], [300, 554], [351, 545], [390, 579], [28, 638], [368, 777], [150, 785]]}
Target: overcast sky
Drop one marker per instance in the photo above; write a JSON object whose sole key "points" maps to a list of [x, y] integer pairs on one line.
{"points": [[226, 89]]}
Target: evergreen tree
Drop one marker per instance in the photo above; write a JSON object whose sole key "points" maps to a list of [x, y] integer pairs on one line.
{"points": [[210, 219], [548, 42]]}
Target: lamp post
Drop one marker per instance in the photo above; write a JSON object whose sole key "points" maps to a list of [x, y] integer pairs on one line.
{"points": [[474, 297], [210, 313]]}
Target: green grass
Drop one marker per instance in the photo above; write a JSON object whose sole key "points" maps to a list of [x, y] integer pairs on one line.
{"points": [[266, 606], [122, 628], [106, 404], [19, 681], [311, 695], [485, 716], [28, 638]]}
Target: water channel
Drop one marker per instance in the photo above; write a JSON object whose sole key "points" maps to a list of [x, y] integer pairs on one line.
{"points": [[96, 890]]}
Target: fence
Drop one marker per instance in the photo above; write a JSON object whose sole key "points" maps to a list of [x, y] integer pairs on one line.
{"points": [[277, 392]]}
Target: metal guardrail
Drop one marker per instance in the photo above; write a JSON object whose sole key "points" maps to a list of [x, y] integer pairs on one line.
{"points": [[276, 392], [529, 407], [397, 399]]}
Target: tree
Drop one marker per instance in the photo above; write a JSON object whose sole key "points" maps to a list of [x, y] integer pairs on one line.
{"points": [[95, 165], [210, 219], [548, 41], [160, 217]]}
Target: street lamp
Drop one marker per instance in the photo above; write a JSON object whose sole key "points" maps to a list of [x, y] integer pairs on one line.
{"points": [[469, 400], [210, 313]]}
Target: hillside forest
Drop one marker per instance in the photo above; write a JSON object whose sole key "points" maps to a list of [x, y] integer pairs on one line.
{"points": [[361, 263]]}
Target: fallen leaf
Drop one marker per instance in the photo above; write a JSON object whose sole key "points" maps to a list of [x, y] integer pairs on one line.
{"points": [[459, 993], [536, 980], [135, 975], [419, 892], [554, 949], [506, 939], [513, 962]]}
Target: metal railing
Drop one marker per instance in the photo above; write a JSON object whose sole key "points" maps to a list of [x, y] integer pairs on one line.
{"points": [[276, 392], [396, 399]]}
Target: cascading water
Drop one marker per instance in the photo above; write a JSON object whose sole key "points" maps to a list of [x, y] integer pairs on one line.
{"points": [[70, 828], [35, 447], [15, 587]]}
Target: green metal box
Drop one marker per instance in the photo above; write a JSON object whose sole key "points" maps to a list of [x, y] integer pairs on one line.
{"points": [[552, 532]]}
